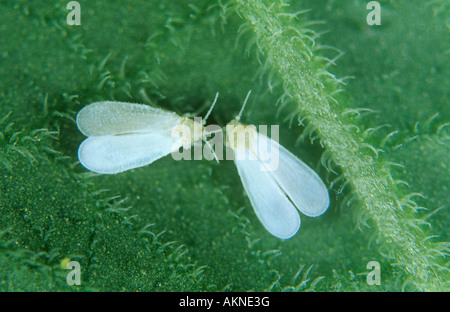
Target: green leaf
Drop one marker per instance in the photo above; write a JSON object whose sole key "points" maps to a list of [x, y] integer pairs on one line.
{"points": [[379, 140]]}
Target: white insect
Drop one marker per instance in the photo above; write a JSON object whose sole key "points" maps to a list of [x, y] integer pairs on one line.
{"points": [[275, 193], [123, 136]]}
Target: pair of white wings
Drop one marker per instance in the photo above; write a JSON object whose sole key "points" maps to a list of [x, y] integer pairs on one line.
{"points": [[277, 194], [123, 136]]}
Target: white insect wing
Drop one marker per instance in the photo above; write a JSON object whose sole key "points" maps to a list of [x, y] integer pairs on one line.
{"points": [[109, 117], [123, 136], [273, 208], [110, 154], [303, 186]]}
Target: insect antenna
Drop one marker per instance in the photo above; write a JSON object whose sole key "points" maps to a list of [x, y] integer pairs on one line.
{"points": [[207, 133], [211, 148], [211, 108], [238, 117]]}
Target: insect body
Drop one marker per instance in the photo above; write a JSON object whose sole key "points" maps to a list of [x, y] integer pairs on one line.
{"points": [[276, 192], [123, 136]]}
